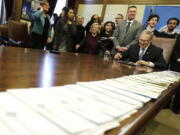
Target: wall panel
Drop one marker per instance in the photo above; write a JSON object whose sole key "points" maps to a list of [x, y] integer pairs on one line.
{"points": [[87, 10], [113, 10], [137, 2]]}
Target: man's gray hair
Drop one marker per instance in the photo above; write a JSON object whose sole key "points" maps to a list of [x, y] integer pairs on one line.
{"points": [[147, 32]]}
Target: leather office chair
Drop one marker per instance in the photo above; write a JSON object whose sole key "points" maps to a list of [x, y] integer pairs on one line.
{"points": [[167, 44], [3, 34], [17, 33]]}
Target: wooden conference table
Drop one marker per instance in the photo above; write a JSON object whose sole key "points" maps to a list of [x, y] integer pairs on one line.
{"points": [[26, 68]]}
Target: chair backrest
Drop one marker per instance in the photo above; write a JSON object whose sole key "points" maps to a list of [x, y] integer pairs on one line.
{"points": [[18, 31], [4, 30], [167, 44]]}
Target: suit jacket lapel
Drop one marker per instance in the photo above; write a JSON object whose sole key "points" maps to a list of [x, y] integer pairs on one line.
{"points": [[147, 53], [123, 28], [136, 52]]}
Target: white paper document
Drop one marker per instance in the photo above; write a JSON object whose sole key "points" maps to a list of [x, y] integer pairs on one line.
{"points": [[52, 110], [22, 120]]}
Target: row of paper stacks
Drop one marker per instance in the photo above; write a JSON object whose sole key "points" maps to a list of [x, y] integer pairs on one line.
{"points": [[85, 108]]}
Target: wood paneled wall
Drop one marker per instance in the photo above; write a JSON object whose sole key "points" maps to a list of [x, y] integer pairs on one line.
{"points": [[16, 12], [153, 2]]}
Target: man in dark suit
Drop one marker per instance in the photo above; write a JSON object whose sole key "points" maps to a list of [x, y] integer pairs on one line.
{"points": [[127, 31], [175, 66], [144, 53], [169, 32]]}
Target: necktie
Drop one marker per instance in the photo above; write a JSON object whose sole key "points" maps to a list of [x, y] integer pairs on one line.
{"points": [[128, 26], [141, 54]]}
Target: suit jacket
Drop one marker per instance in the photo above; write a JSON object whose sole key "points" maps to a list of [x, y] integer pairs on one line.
{"points": [[152, 54], [121, 38], [39, 22], [174, 65]]}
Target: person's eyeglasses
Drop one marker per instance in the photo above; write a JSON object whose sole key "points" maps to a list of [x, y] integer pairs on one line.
{"points": [[145, 41]]}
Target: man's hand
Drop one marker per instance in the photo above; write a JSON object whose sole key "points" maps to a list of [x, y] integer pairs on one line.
{"points": [[118, 56], [107, 52], [41, 8], [122, 49], [178, 60], [142, 62], [69, 22], [165, 30], [49, 40], [77, 46]]}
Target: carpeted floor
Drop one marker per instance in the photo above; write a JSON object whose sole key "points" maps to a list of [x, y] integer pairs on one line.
{"points": [[165, 123]]}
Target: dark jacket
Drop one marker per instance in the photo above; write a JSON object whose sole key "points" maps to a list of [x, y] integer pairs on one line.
{"points": [[80, 34], [105, 43], [65, 33], [165, 35], [174, 65]]}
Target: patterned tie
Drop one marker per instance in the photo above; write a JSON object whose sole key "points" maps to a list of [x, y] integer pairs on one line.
{"points": [[141, 54], [128, 26]]}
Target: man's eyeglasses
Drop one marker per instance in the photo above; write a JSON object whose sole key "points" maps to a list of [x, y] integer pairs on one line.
{"points": [[145, 41]]}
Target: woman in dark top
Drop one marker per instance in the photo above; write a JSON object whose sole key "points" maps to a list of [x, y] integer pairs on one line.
{"points": [[41, 30], [90, 42], [105, 42], [64, 32]]}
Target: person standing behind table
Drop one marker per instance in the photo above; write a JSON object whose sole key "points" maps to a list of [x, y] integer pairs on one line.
{"points": [[169, 32], [105, 42], [65, 31], [41, 30], [90, 42], [118, 18], [152, 21], [94, 19], [80, 30], [127, 31], [144, 53]]}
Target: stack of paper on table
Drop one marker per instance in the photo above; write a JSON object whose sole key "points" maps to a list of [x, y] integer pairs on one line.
{"points": [[84, 108], [19, 119]]}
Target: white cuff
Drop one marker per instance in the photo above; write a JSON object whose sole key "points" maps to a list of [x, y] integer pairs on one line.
{"points": [[178, 59], [150, 64]]}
